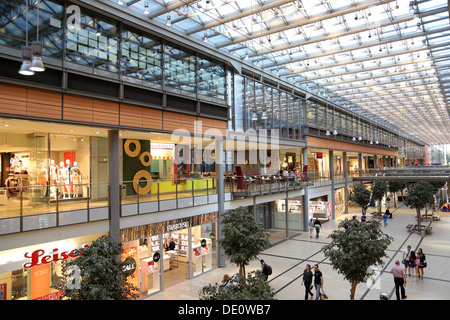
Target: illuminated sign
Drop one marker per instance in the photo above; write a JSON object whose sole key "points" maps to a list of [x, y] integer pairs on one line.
{"points": [[39, 257]]}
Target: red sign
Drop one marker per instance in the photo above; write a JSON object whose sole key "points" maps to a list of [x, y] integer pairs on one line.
{"points": [[38, 257], [51, 296]]}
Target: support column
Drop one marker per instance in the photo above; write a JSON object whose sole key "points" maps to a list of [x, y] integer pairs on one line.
{"points": [[360, 163], [220, 197], [344, 156], [331, 168], [286, 210], [375, 161], [114, 184], [305, 198]]}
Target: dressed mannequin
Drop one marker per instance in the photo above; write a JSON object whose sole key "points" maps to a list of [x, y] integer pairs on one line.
{"points": [[43, 178], [75, 174], [53, 176], [63, 175]]}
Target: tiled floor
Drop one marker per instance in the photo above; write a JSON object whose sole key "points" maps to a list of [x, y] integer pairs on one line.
{"points": [[288, 260]]}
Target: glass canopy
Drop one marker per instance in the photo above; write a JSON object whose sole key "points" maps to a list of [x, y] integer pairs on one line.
{"points": [[387, 60]]}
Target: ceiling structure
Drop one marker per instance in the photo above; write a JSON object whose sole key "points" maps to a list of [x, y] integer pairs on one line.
{"points": [[387, 60]]}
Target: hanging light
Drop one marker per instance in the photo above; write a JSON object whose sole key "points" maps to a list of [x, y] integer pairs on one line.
{"points": [[37, 48], [169, 21], [360, 138], [335, 132], [120, 2], [254, 116], [146, 11], [26, 52], [354, 139], [411, 6], [328, 132], [419, 27], [205, 38], [26, 62], [264, 115]]}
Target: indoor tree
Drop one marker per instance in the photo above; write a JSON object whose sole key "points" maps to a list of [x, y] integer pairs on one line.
{"points": [[419, 195], [356, 250], [394, 187], [361, 196], [243, 239], [379, 189], [97, 273]]}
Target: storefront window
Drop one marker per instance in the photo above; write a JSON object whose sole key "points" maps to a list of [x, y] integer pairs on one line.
{"points": [[181, 248], [44, 172]]}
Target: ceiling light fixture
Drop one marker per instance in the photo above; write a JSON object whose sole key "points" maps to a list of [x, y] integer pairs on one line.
{"points": [[169, 21], [146, 11], [26, 52], [37, 48]]}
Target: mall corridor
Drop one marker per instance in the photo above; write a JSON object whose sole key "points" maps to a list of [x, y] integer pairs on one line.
{"points": [[288, 260]]}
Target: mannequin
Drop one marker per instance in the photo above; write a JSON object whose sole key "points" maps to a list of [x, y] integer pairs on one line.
{"points": [[69, 186], [63, 175], [43, 178], [76, 179], [53, 176]]}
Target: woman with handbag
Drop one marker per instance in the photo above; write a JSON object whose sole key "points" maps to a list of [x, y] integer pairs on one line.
{"points": [[412, 264], [422, 262]]}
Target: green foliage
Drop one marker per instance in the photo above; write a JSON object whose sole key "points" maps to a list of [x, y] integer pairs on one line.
{"points": [[242, 238], [395, 186], [254, 288], [360, 195], [379, 189], [419, 195], [356, 249], [96, 274]]}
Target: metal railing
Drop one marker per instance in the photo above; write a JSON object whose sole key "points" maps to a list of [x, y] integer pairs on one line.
{"points": [[24, 208]]}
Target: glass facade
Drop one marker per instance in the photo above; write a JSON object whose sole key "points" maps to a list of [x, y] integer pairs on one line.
{"points": [[92, 43]]}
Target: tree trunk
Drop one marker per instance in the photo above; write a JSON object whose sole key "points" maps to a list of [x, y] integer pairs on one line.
{"points": [[418, 217], [353, 290]]}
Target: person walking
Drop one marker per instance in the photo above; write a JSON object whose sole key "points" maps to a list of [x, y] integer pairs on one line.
{"points": [[266, 270], [307, 281], [317, 226], [405, 257], [387, 212], [318, 281], [385, 219], [311, 228], [422, 262], [400, 280]]}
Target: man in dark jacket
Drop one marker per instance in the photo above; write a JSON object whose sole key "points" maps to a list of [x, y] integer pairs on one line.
{"points": [[266, 271]]}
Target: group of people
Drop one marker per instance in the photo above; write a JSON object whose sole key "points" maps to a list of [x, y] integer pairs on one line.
{"points": [[307, 281], [412, 262]]}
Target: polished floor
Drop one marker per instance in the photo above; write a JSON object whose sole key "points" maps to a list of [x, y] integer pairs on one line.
{"points": [[288, 260]]}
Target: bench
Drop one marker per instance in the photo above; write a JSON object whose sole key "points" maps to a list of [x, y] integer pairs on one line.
{"points": [[409, 227], [428, 230]]}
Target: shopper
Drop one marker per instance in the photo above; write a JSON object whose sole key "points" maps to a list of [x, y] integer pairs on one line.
{"points": [[225, 280], [385, 219], [317, 226], [405, 258], [413, 265], [387, 212], [172, 244], [307, 281], [311, 227], [363, 218], [422, 262], [400, 280], [266, 270], [318, 281]]}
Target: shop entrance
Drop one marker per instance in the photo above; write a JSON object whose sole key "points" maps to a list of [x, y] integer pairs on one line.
{"points": [[263, 215]]}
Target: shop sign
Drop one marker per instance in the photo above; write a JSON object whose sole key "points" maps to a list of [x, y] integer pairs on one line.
{"points": [[39, 257], [177, 226]]}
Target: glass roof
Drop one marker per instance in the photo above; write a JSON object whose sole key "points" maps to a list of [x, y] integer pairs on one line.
{"points": [[387, 59]]}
